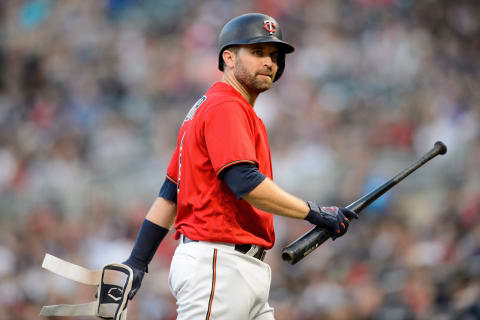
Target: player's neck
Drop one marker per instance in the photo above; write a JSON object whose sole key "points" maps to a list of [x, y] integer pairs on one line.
{"points": [[233, 82]]}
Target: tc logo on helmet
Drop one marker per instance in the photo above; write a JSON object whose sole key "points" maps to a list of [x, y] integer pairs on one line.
{"points": [[270, 26]]}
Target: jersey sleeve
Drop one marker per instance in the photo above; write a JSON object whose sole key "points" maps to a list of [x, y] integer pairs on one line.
{"points": [[229, 136], [172, 170]]}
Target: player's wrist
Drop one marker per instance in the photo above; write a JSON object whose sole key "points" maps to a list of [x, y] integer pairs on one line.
{"points": [[148, 239], [319, 217], [136, 263], [312, 214]]}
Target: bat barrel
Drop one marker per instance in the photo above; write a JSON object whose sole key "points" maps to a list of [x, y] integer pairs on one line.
{"points": [[301, 247]]}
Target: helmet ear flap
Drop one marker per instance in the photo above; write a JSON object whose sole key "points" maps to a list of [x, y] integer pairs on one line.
{"points": [[220, 61], [281, 66]]}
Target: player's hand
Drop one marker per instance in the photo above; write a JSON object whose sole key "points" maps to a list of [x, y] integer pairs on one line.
{"points": [[138, 273], [334, 219], [137, 278]]}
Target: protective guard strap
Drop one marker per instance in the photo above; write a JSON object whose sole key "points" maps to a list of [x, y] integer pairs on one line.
{"points": [[114, 283], [74, 310], [65, 310], [71, 271]]}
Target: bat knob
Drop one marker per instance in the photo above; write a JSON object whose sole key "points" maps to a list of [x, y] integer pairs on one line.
{"points": [[442, 148]]}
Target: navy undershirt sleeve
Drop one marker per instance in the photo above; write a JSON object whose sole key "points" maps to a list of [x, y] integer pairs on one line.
{"points": [[148, 240], [168, 191], [242, 178]]}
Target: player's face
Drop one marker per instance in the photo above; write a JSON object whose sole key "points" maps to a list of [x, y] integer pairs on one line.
{"points": [[256, 66]]}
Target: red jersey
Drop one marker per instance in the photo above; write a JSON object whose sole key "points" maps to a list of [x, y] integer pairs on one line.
{"points": [[220, 130]]}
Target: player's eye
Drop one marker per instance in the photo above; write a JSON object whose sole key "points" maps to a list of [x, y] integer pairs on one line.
{"points": [[274, 56], [258, 52]]}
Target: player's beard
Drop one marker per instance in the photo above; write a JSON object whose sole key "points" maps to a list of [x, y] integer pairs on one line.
{"points": [[253, 82]]}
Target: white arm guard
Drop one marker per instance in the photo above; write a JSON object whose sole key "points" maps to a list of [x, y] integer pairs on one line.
{"points": [[114, 283]]}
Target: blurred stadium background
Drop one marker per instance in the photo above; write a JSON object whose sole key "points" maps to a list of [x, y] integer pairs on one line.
{"points": [[92, 94]]}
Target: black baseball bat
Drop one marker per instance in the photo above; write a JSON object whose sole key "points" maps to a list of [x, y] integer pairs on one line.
{"points": [[300, 248]]}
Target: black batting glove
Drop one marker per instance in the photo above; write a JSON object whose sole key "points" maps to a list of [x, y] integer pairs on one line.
{"points": [[139, 270], [334, 219]]}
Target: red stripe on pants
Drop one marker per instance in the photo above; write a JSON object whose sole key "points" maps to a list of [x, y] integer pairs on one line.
{"points": [[214, 277]]}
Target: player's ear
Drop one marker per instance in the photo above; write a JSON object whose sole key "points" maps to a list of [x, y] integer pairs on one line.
{"points": [[229, 57]]}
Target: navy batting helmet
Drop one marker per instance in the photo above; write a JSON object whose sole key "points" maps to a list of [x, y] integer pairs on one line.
{"points": [[254, 28]]}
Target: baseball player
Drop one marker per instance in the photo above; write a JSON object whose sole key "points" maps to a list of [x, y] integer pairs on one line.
{"points": [[218, 192]]}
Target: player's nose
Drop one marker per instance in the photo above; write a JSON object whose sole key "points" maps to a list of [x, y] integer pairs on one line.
{"points": [[268, 61]]}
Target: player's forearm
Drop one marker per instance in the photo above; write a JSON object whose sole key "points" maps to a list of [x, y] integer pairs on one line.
{"points": [[162, 213], [154, 228], [269, 197]]}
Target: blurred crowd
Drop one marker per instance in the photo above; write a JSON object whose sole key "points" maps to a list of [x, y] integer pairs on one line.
{"points": [[92, 94]]}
